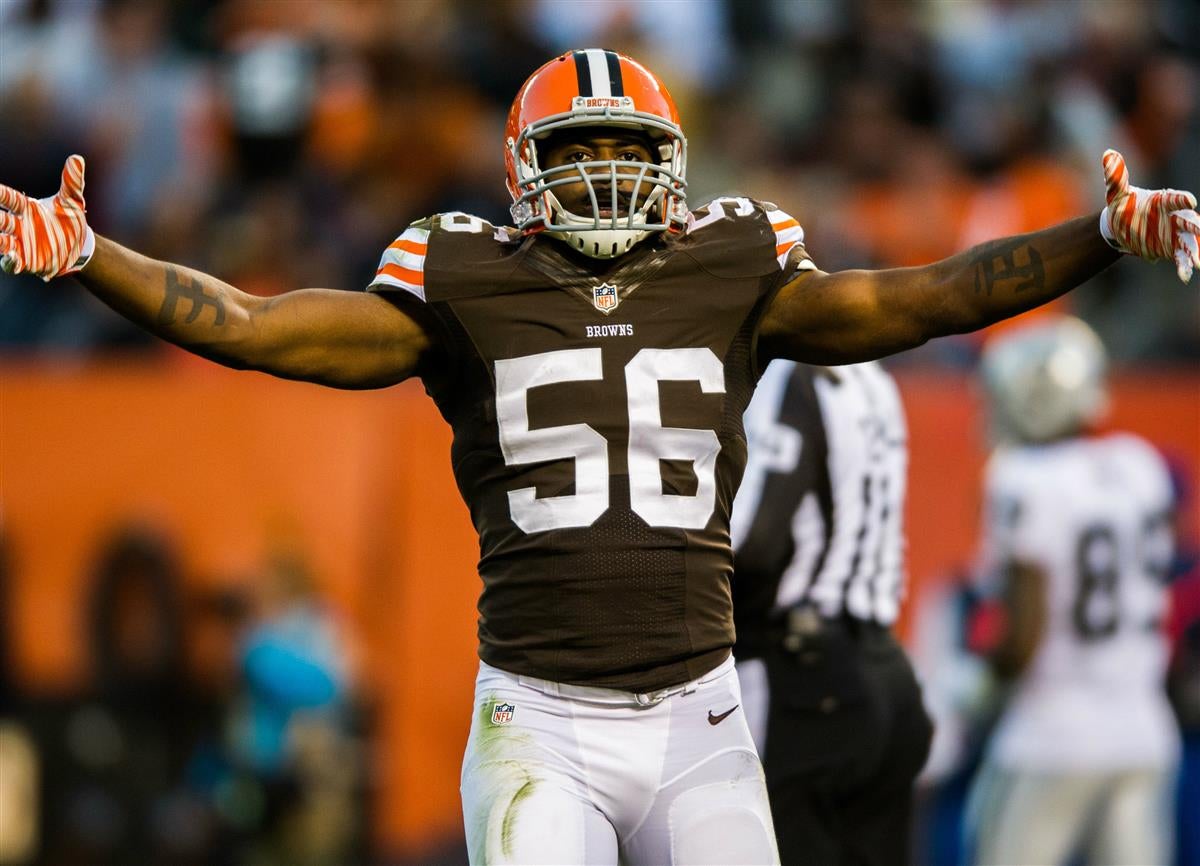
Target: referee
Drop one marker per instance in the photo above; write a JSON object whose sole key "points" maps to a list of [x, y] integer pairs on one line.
{"points": [[828, 692]]}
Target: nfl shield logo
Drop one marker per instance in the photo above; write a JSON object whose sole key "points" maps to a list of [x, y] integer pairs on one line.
{"points": [[604, 296], [502, 714]]}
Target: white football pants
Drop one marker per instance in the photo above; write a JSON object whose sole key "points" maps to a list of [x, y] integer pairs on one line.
{"points": [[1114, 818], [566, 774]]}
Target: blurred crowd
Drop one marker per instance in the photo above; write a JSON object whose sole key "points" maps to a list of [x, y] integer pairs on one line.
{"points": [[213, 726], [284, 144]]}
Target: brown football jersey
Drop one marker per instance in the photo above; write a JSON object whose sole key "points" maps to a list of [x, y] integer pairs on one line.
{"points": [[597, 417]]}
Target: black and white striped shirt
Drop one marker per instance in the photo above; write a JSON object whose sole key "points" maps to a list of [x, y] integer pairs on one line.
{"points": [[818, 519]]}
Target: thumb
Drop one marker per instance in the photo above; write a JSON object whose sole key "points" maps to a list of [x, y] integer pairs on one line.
{"points": [[72, 180], [1116, 176]]}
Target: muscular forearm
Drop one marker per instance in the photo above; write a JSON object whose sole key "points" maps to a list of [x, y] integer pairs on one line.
{"points": [[851, 316], [188, 308], [340, 339], [1005, 277]]}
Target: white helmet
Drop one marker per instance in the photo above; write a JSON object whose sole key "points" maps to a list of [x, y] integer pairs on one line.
{"points": [[1044, 381]]}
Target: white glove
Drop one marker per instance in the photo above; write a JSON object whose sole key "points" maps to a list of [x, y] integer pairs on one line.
{"points": [[1152, 224], [49, 237]]}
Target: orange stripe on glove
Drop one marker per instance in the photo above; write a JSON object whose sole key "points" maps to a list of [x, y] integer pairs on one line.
{"points": [[49, 237], [1150, 224]]}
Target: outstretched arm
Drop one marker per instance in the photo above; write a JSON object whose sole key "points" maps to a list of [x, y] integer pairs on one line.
{"points": [[854, 316], [341, 339], [336, 338]]}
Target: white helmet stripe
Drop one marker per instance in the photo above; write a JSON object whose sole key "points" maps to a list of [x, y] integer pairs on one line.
{"points": [[598, 72]]}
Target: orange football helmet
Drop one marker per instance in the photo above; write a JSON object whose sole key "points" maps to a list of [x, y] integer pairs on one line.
{"points": [[594, 87]]}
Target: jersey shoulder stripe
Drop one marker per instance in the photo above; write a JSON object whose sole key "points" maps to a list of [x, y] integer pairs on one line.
{"points": [[467, 253], [402, 265], [789, 237], [747, 224]]}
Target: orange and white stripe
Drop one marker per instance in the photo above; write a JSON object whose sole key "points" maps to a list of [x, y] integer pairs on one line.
{"points": [[49, 237], [1152, 224], [403, 263], [788, 235]]}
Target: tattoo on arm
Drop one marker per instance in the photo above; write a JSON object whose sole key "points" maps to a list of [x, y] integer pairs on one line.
{"points": [[182, 286], [998, 263]]}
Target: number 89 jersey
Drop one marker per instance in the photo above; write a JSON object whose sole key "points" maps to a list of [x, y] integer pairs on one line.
{"points": [[1094, 516], [596, 409]]}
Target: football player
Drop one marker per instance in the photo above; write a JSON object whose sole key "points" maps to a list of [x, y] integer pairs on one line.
{"points": [[594, 361], [829, 694], [1077, 549]]}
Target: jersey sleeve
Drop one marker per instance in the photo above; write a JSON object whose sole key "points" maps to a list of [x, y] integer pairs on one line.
{"points": [[790, 251], [1146, 471], [1012, 527], [1147, 480], [738, 236], [402, 265]]}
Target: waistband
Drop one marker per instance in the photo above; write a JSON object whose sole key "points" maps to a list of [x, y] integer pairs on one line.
{"points": [[597, 695]]}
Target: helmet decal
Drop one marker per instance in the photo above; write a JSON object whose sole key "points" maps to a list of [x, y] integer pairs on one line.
{"points": [[598, 72]]}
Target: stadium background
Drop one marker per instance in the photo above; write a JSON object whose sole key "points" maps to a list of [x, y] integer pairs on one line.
{"points": [[284, 144]]}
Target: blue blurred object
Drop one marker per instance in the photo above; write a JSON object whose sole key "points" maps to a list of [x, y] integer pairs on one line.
{"points": [[293, 667], [1187, 841]]}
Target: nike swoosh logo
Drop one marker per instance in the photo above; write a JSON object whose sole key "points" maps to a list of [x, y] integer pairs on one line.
{"points": [[716, 720]]}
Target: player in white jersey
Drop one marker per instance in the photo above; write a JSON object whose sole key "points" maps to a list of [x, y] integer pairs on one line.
{"points": [[1077, 546], [828, 693]]}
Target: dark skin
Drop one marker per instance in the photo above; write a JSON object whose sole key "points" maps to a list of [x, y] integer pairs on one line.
{"points": [[1024, 603], [583, 146], [366, 340]]}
